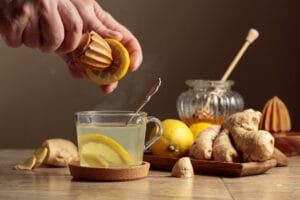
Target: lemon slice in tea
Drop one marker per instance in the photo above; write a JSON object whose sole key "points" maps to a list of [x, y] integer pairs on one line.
{"points": [[98, 150], [116, 70]]}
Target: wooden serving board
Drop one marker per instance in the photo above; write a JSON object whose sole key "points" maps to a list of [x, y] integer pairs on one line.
{"points": [[288, 142], [213, 167]]}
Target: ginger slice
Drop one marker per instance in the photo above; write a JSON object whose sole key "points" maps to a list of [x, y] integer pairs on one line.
{"points": [[40, 155], [28, 164], [54, 152]]}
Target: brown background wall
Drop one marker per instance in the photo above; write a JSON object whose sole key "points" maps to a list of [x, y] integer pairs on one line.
{"points": [[181, 40]]}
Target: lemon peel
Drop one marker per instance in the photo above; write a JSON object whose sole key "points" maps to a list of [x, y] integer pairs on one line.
{"points": [[176, 140]]}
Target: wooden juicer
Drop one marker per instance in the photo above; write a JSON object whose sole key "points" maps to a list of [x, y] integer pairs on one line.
{"points": [[276, 119]]}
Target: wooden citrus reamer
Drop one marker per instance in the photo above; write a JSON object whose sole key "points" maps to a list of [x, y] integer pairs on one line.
{"points": [[93, 52]]}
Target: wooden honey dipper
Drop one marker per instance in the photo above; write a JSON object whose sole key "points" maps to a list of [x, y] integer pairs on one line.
{"points": [[251, 37], [204, 112]]}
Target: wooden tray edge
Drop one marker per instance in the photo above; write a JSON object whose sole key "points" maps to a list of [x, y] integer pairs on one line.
{"points": [[213, 167]]}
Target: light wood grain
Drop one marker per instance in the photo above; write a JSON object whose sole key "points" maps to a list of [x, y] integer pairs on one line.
{"points": [[56, 183]]}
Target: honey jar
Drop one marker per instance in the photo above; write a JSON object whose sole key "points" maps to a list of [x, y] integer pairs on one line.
{"points": [[208, 101]]}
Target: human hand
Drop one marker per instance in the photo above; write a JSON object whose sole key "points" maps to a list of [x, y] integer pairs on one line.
{"points": [[50, 25], [57, 25], [96, 19]]}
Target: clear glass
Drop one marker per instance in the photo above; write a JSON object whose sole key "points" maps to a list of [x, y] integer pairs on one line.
{"points": [[208, 101], [127, 128]]}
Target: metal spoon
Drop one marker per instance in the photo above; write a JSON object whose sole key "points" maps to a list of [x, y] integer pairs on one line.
{"points": [[154, 88], [150, 93]]}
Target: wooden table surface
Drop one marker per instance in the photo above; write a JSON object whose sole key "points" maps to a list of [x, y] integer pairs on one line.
{"points": [[56, 183]]}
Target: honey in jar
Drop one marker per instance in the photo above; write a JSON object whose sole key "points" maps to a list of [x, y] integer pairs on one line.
{"points": [[208, 101]]}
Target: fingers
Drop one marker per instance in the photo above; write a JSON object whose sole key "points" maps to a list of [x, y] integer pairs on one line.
{"points": [[13, 23], [91, 23], [135, 52], [31, 34], [130, 42], [41, 24], [72, 24], [107, 19], [106, 89], [51, 27], [136, 57], [76, 71], [101, 29]]}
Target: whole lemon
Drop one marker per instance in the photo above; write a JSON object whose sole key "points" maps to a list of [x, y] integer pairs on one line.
{"points": [[197, 128], [176, 140]]}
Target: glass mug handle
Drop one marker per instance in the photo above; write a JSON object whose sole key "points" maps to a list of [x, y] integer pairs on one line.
{"points": [[158, 135]]}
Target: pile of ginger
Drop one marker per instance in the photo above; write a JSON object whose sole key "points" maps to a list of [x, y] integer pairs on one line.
{"points": [[237, 140]]}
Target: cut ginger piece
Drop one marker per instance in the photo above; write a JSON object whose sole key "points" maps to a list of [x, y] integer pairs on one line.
{"points": [[54, 152], [28, 164], [35, 160], [40, 155]]}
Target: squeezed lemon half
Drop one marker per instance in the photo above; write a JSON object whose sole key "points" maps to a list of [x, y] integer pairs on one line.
{"points": [[98, 150], [118, 68]]}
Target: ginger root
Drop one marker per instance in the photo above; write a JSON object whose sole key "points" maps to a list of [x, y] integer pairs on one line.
{"points": [[223, 149], [54, 152], [247, 120], [183, 168], [238, 139], [60, 152], [251, 143], [203, 146]]}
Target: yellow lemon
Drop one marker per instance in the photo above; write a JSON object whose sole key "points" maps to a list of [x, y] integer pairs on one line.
{"points": [[197, 128], [118, 68], [98, 150], [176, 140]]}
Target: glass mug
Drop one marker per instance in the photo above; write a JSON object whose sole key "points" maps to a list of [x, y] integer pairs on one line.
{"points": [[106, 137]]}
